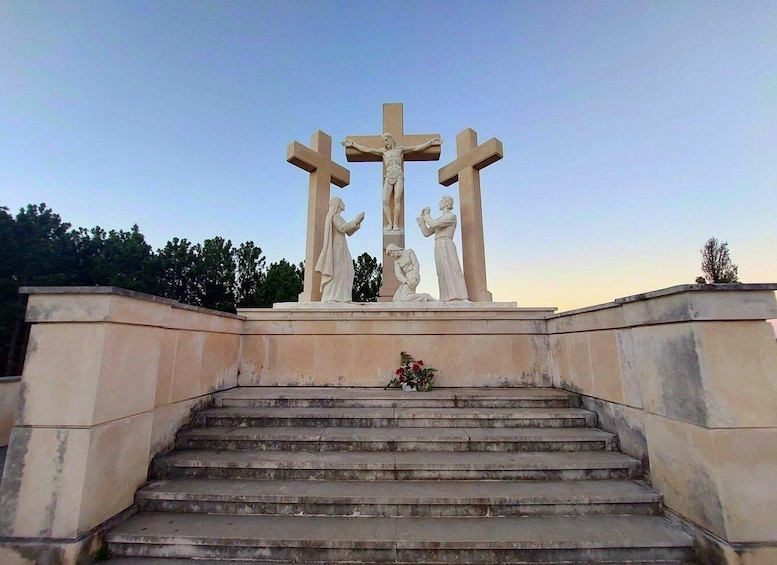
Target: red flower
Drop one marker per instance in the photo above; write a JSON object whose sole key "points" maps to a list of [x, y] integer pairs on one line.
{"points": [[398, 371], [401, 379], [416, 368], [420, 362]]}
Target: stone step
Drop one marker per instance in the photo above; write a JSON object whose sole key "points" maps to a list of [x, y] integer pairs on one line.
{"points": [[307, 397], [361, 465], [174, 561], [529, 539], [398, 498], [395, 439], [421, 417]]}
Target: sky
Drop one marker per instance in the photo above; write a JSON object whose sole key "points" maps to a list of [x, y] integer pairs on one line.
{"points": [[632, 131]]}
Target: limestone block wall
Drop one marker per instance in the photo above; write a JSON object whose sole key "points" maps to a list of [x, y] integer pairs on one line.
{"points": [[110, 376], [688, 378], [361, 346], [9, 396]]}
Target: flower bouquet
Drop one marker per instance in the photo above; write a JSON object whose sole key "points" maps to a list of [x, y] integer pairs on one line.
{"points": [[412, 375]]}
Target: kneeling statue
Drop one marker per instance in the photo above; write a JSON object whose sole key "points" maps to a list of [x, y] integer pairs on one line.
{"points": [[408, 273]]}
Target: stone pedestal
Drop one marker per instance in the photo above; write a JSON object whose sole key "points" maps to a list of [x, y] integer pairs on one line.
{"points": [[495, 344]]}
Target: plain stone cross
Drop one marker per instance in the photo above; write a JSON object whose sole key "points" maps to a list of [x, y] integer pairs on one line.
{"points": [[470, 158], [393, 123], [323, 172]]}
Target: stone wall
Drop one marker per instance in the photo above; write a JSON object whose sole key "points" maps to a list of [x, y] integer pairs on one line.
{"points": [[688, 378], [9, 396], [109, 377], [470, 345]]}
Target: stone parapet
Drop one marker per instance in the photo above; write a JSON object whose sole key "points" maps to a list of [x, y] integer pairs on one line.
{"points": [[110, 375], [688, 375]]}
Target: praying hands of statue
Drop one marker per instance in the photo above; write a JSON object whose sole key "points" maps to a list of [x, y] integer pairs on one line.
{"points": [[359, 218]]}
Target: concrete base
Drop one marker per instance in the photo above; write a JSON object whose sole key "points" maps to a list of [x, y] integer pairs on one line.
{"points": [[83, 550], [402, 306], [712, 550], [471, 344]]}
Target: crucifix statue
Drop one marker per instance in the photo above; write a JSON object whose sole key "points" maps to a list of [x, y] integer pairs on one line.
{"points": [[394, 179], [393, 147]]}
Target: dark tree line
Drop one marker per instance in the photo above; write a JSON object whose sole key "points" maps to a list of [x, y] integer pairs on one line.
{"points": [[38, 249]]}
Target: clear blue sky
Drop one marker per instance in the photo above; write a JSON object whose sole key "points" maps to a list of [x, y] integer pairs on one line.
{"points": [[632, 131]]}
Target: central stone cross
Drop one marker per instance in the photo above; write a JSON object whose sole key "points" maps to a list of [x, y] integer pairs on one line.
{"points": [[393, 123]]}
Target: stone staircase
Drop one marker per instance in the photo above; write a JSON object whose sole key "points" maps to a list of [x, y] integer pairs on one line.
{"points": [[324, 475]]}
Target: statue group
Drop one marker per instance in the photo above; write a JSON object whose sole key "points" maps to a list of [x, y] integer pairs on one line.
{"points": [[335, 263]]}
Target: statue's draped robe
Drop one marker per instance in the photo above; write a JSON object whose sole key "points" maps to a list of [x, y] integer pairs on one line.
{"points": [[411, 271], [335, 263], [446, 259]]}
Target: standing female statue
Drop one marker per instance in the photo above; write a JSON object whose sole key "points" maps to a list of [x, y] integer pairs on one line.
{"points": [[446, 259], [335, 263], [408, 273]]}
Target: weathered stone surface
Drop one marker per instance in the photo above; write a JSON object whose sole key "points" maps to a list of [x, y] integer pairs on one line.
{"points": [[682, 466], [77, 477], [339, 359], [672, 382], [413, 484], [10, 388], [745, 468], [626, 422]]}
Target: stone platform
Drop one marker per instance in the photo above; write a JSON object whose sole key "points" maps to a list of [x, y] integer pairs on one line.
{"points": [[471, 344]]}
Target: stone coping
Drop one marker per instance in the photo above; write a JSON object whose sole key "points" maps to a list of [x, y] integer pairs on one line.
{"points": [[547, 312], [118, 291], [403, 306], [678, 289], [721, 287]]}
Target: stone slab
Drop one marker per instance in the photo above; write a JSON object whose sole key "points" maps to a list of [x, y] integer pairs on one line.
{"points": [[358, 397], [398, 492], [402, 306], [452, 533]]}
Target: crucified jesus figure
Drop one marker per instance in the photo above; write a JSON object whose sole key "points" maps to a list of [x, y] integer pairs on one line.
{"points": [[394, 181]]}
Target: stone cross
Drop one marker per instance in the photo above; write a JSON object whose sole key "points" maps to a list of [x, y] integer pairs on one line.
{"points": [[393, 123], [470, 158], [323, 172]]}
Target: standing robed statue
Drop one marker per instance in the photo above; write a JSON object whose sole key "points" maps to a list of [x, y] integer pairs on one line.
{"points": [[335, 263]]}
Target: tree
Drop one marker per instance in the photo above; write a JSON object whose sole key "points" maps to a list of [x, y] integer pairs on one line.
{"points": [[251, 271], [716, 263], [178, 263], [38, 248], [11, 308], [367, 279], [216, 275], [282, 283], [117, 258]]}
